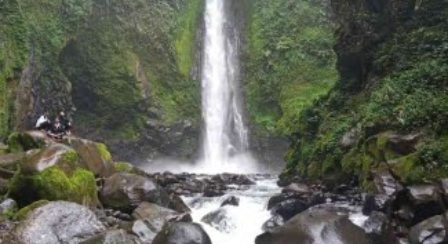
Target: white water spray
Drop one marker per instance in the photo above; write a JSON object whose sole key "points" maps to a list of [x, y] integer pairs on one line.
{"points": [[225, 134]]}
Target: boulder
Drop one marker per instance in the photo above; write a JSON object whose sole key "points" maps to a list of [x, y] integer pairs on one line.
{"points": [[182, 233], [280, 197], [233, 179], [374, 202], [151, 218], [299, 188], [55, 183], [289, 208], [124, 191], [274, 222], [113, 237], [93, 156], [315, 226], [379, 229], [55, 154], [22, 142], [429, 231], [231, 201], [219, 220], [59, 223], [386, 183]]}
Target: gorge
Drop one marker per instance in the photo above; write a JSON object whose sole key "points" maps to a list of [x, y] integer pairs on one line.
{"points": [[227, 121]]}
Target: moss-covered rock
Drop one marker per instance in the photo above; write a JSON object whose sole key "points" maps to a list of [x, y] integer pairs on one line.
{"points": [[23, 212], [54, 184], [391, 87], [22, 142], [93, 156]]}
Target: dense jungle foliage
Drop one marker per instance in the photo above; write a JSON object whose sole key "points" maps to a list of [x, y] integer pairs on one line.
{"points": [[395, 115]]}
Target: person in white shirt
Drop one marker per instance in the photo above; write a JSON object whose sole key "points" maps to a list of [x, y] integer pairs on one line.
{"points": [[43, 123]]}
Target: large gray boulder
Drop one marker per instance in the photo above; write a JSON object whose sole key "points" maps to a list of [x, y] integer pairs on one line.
{"points": [[151, 218], [113, 237], [124, 191], [315, 226], [429, 231], [59, 223], [182, 233]]}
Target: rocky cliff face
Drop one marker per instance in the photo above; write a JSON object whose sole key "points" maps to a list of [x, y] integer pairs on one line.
{"points": [[124, 70], [388, 109]]}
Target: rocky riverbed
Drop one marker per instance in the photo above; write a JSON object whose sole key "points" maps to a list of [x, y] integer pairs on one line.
{"points": [[73, 192]]}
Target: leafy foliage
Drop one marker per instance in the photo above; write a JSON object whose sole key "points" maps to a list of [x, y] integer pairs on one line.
{"points": [[289, 61]]}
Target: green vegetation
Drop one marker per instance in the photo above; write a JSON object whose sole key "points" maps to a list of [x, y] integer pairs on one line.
{"points": [[13, 51], [116, 67], [406, 95], [54, 184], [123, 167], [23, 212], [22, 142], [289, 61]]}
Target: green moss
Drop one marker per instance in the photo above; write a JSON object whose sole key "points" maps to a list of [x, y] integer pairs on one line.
{"points": [[104, 152], [123, 167], [407, 96], [186, 40], [289, 62], [21, 142], [53, 184], [23, 212]]}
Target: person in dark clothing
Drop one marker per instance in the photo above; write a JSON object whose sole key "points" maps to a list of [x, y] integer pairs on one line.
{"points": [[57, 131], [65, 122]]}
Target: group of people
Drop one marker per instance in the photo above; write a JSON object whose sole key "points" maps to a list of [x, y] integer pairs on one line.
{"points": [[56, 129]]}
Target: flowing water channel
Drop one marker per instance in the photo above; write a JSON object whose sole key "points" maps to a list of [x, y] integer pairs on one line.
{"points": [[225, 144]]}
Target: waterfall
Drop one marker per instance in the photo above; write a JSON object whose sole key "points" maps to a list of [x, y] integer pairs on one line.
{"points": [[225, 134]]}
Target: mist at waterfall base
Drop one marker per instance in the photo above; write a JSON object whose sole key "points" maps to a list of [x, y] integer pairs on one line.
{"points": [[225, 146]]}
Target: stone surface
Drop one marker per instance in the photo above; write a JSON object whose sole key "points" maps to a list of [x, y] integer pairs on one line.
{"points": [[315, 226], [59, 223], [232, 201], [113, 237], [182, 233], [126, 191]]}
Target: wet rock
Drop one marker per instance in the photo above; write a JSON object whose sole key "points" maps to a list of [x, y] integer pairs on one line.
{"points": [[151, 218], [22, 142], [299, 188], [54, 154], [219, 220], [8, 207], [285, 179], [232, 201], [278, 198], [233, 179], [428, 232], [379, 229], [182, 233], [273, 222], [125, 192], [315, 199], [289, 208], [415, 204], [315, 226], [214, 191], [374, 203], [386, 183], [113, 237], [59, 223], [93, 156]]}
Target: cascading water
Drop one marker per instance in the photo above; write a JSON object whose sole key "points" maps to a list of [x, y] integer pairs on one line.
{"points": [[225, 134]]}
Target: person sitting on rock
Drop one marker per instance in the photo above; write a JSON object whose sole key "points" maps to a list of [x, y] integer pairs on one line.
{"points": [[65, 122], [57, 131], [43, 123]]}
